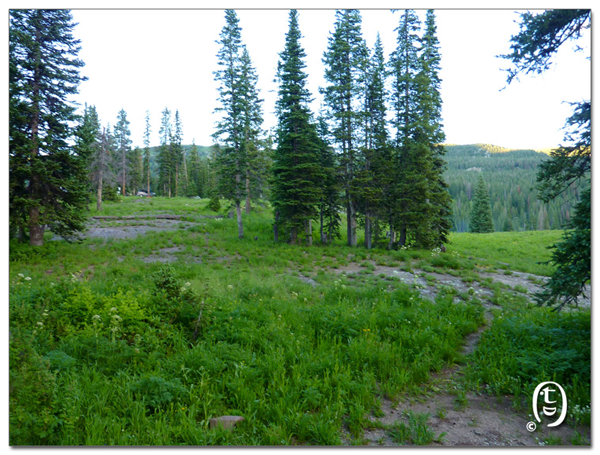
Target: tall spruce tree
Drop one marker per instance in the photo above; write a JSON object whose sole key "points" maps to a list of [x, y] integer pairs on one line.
{"points": [[481, 210], [331, 203], [176, 154], [48, 178], [431, 116], [196, 186], [165, 161], [532, 50], [88, 134], [123, 142], [345, 60], [297, 173], [252, 120], [136, 170], [102, 166], [376, 172], [413, 155], [234, 131], [147, 131]]}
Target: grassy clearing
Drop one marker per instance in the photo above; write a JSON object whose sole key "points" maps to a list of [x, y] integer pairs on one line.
{"points": [[520, 251], [108, 347]]}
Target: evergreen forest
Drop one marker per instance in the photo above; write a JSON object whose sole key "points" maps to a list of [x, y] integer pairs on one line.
{"points": [[344, 278]]}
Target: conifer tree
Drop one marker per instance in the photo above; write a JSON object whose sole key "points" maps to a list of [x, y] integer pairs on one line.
{"points": [[330, 204], [102, 166], [88, 134], [136, 173], [196, 185], [345, 59], [375, 172], [176, 153], [431, 116], [413, 154], [165, 161], [146, 170], [252, 121], [240, 114], [540, 37], [48, 179], [296, 171], [123, 143], [481, 212]]}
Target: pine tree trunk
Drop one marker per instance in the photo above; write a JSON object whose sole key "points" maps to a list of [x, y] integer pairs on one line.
{"points": [[148, 177], [367, 230], [176, 179], [124, 163], [247, 191], [402, 241], [351, 222], [293, 236], [309, 239], [352, 225], [238, 209], [36, 231], [99, 194]]}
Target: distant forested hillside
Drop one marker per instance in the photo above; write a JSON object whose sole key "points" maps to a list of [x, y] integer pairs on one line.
{"points": [[510, 176]]}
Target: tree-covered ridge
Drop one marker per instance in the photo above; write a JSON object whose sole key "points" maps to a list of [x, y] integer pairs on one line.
{"points": [[511, 178]]}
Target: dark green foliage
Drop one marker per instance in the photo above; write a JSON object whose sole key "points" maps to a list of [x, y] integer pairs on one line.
{"points": [[346, 60], [166, 164], [524, 349], [431, 105], [568, 164], [297, 174], [146, 163], [177, 155], [511, 178], [330, 205], [123, 150], [572, 257], [423, 209], [240, 108], [541, 35], [481, 212], [539, 39], [48, 184], [32, 394], [156, 392]]}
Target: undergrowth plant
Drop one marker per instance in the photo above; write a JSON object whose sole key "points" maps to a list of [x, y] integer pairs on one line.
{"points": [[111, 346]]}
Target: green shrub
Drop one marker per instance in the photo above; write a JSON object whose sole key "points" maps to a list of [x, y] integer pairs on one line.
{"points": [[156, 392]]}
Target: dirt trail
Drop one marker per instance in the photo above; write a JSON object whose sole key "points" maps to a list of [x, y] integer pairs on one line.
{"points": [[463, 418]]}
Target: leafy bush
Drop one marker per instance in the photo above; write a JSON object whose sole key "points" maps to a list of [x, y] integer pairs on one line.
{"points": [[156, 392], [535, 345]]}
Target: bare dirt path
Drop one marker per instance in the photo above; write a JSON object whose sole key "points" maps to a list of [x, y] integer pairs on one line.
{"points": [[458, 417]]}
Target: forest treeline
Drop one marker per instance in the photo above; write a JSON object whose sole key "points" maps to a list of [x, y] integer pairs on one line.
{"points": [[371, 158], [510, 176]]}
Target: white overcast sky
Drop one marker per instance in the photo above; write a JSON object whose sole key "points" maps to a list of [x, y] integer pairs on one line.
{"points": [[146, 59]]}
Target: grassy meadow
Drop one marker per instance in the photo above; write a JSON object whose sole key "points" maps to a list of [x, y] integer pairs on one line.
{"points": [[141, 341]]}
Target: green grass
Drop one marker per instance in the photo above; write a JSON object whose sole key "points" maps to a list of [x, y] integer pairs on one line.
{"points": [[520, 251], [108, 348]]}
